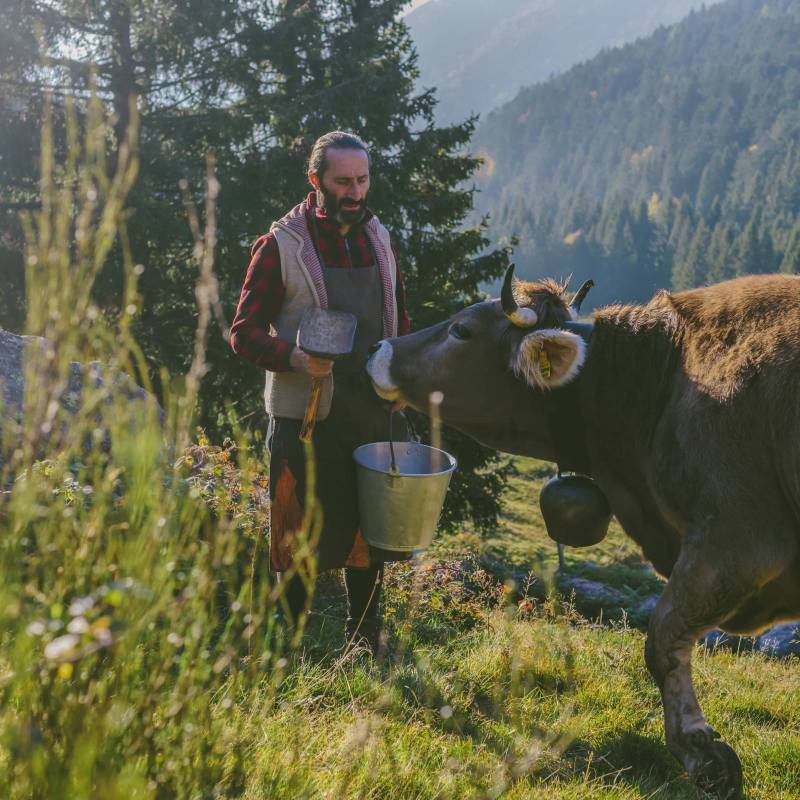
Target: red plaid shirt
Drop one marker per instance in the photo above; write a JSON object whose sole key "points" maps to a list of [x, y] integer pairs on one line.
{"points": [[263, 290]]}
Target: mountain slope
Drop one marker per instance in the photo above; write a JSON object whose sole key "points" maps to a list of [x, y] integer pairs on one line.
{"points": [[478, 53], [700, 122]]}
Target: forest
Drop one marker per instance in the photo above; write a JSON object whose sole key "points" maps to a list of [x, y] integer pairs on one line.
{"points": [[670, 162]]}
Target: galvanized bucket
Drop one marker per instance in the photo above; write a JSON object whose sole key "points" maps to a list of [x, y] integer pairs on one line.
{"points": [[399, 510]]}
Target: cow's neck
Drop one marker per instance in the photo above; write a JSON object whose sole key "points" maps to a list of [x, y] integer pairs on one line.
{"points": [[566, 417]]}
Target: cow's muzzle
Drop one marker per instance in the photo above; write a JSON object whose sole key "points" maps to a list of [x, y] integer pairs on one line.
{"points": [[379, 371]]}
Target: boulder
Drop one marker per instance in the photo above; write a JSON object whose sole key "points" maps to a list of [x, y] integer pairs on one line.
{"points": [[645, 606], [719, 640], [780, 641], [115, 387], [592, 596]]}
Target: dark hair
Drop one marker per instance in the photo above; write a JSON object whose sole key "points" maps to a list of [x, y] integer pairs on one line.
{"points": [[318, 161]]}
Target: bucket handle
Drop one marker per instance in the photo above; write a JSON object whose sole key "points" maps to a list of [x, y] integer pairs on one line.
{"points": [[391, 444]]}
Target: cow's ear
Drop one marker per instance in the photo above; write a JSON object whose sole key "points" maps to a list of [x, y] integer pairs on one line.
{"points": [[549, 358]]}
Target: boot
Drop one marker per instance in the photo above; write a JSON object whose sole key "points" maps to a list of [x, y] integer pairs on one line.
{"points": [[368, 636]]}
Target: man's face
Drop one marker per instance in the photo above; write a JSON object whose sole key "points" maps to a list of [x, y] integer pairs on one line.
{"points": [[344, 185]]}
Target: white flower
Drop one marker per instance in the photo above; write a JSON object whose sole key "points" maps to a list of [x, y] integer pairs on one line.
{"points": [[78, 625], [62, 648], [36, 628], [79, 606]]}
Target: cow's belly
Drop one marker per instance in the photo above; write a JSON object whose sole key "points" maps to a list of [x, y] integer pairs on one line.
{"points": [[778, 601]]}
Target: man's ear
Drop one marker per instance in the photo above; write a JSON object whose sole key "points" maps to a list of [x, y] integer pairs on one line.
{"points": [[549, 358], [313, 179]]}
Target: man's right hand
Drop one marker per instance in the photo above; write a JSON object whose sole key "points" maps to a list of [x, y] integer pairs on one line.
{"points": [[311, 365]]}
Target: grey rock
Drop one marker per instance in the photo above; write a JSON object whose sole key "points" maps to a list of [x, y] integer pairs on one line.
{"points": [[114, 387], [717, 639], [591, 594], [780, 641], [646, 606]]}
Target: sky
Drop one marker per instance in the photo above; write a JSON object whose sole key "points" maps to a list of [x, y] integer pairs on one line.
{"points": [[414, 4]]}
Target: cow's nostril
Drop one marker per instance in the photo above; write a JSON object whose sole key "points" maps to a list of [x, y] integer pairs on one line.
{"points": [[374, 348]]}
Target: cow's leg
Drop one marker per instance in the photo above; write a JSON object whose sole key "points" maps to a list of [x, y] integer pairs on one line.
{"points": [[700, 594]]}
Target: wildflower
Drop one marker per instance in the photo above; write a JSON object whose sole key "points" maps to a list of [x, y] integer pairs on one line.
{"points": [[78, 625], [79, 606], [63, 648], [65, 670]]}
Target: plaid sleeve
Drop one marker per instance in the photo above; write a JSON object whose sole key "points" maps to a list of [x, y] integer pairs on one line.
{"points": [[259, 303], [403, 321]]}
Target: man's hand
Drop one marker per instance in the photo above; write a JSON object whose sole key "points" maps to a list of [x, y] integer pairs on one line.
{"points": [[311, 365]]}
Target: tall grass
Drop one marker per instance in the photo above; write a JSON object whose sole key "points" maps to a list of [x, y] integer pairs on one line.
{"points": [[133, 598], [142, 654]]}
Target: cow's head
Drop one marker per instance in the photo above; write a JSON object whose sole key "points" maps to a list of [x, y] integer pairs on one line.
{"points": [[492, 362]]}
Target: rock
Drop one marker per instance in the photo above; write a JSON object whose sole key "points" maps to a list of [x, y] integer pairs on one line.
{"points": [[645, 607], [780, 641], [591, 594], [718, 639], [135, 402]]}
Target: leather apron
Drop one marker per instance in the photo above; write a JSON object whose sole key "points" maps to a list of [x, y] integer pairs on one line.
{"points": [[357, 416]]}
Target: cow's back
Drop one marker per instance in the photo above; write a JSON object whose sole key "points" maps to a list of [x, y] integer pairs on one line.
{"points": [[697, 396]]}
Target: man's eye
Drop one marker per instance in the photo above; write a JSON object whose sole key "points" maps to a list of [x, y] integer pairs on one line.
{"points": [[460, 331]]}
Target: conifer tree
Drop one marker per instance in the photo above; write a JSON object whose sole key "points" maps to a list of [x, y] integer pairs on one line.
{"points": [[720, 258], [256, 84], [692, 270], [748, 252], [790, 264]]}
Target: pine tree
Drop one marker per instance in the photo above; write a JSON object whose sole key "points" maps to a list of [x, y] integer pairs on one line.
{"points": [[176, 63], [256, 84], [720, 258], [693, 269], [790, 264], [748, 253], [366, 84]]}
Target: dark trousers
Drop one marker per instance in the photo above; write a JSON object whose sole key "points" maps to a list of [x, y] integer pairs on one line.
{"points": [[363, 593], [357, 416]]}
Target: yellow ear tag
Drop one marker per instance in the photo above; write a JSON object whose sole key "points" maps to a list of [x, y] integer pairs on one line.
{"points": [[544, 364]]}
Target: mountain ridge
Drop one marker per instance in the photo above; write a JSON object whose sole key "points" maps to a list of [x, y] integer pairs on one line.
{"points": [[689, 138], [478, 54]]}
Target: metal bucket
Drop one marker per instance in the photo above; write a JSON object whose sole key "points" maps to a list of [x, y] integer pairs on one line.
{"points": [[399, 511]]}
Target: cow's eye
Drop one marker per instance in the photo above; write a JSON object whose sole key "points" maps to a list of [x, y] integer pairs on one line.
{"points": [[460, 331]]}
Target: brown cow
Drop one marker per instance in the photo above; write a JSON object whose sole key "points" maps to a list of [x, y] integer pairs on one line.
{"points": [[685, 411]]}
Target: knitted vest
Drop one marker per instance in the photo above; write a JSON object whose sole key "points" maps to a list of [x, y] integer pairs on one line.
{"points": [[286, 393]]}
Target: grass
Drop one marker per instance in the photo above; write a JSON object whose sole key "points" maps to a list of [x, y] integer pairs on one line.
{"points": [[141, 655], [512, 701]]}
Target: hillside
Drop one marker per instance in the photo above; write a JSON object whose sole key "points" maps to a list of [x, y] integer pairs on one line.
{"points": [[478, 53], [678, 155]]}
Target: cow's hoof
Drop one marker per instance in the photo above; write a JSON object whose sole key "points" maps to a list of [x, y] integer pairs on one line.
{"points": [[719, 771]]}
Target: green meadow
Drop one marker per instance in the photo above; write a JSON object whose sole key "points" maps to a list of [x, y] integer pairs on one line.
{"points": [[142, 653]]}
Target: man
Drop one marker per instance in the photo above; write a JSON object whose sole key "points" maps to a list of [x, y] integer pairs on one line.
{"points": [[329, 251]]}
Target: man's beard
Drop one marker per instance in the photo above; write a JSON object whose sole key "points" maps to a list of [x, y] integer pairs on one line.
{"points": [[333, 208]]}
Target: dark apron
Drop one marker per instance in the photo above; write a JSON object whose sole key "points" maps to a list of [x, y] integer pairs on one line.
{"points": [[357, 416]]}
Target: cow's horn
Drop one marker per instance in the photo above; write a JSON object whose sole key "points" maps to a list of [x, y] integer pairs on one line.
{"points": [[579, 297], [521, 317]]}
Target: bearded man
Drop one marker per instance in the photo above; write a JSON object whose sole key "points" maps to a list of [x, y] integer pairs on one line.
{"points": [[332, 252]]}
